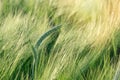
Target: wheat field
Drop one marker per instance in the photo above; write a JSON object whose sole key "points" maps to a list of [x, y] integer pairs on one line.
{"points": [[59, 39]]}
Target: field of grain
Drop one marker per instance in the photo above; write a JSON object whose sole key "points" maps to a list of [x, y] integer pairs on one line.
{"points": [[59, 39]]}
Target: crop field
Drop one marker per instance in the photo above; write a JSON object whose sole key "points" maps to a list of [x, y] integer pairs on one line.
{"points": [[59, 39]]}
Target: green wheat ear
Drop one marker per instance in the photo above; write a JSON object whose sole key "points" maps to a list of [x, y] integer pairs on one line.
{"points": [[42, 38], [46, 34], [37, 45]]}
